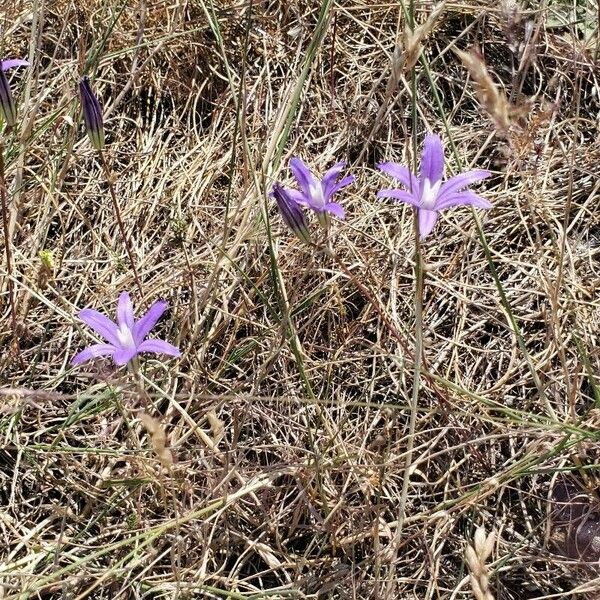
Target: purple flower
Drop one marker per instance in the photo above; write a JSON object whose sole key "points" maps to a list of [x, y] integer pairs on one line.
{"points": [[8, 108], [291, 213], [426, 192], [92, 113], [125, 337], [317, 194]]}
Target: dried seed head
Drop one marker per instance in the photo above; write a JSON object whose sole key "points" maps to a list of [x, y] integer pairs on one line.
{"points": [[158, 439], [492, 99], [475, 557]]}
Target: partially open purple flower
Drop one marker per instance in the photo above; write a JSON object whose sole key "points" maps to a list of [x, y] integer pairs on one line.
{"points": [[317, 194], [8, 108], [125, 338], [427, 193], [291, 213]]}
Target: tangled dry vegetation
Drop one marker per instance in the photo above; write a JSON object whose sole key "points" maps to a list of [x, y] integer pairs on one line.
{"points": [[269, 460]]}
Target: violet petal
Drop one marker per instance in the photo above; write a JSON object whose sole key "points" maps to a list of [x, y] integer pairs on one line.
{"points": [[303, 176], [427, 221], [432, 159], [401, 196], [336, 187], [124, 354], [159, 347], [330, 176], [101, 324], [403, 175], [336, 210], [143, 326], [459, 182], [93, 351], [466, 197], [125, 310], [11, 63]]}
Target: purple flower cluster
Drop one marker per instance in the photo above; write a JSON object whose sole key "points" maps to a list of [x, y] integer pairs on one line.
{"points": [[313, 194], [427, 192]]}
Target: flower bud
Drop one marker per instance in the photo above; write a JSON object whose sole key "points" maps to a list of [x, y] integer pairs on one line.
{"points": [[92, 113], [8, 108], [291, 213]]}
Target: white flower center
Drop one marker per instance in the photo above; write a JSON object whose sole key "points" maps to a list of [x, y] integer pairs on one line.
{"points": [[316, 194], [125, 336], [429, 193]]}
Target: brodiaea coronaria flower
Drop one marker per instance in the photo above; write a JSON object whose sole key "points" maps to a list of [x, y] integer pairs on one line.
{"points": [[317, 194], [125, 339], [92, 113], [8, 108], [427, 192]]}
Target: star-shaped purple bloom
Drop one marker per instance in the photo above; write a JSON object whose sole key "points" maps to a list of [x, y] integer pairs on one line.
{"points": [[317, 194], [427, 193], [125, 337]]}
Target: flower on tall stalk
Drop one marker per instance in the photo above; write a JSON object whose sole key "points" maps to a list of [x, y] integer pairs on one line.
{"points": [[427, 192], [125, 339], [92, 113], [316, 194], [291, 213], [8, 107]]}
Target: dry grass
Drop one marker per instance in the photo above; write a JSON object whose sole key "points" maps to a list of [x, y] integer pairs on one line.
{"points": [[268, 461]]}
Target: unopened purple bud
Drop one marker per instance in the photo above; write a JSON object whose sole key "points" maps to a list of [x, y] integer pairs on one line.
{"points": [[291, 213], [92, 113], [8, 108]]}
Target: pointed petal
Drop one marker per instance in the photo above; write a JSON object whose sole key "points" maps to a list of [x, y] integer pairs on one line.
{"points": [[336, 187], [12, 63], [401, 195], [297, 196], [93, 351], [159, 347], [403, 175], [125, 311], [143, 326], [330, 176], [124, 354], [466, 197], [427, 220], [303, 176], [101, 324], [459, 182], [432, 159], [336, 210]]}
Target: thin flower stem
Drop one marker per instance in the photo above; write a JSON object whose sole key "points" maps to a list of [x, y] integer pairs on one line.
{"points": [[419, 285], [7, 244], [117, 210], [414, 403]]}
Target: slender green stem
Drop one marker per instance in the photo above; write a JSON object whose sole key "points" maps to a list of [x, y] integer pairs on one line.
{"points": [[414, 403], [117, 211], [7, 244]]}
